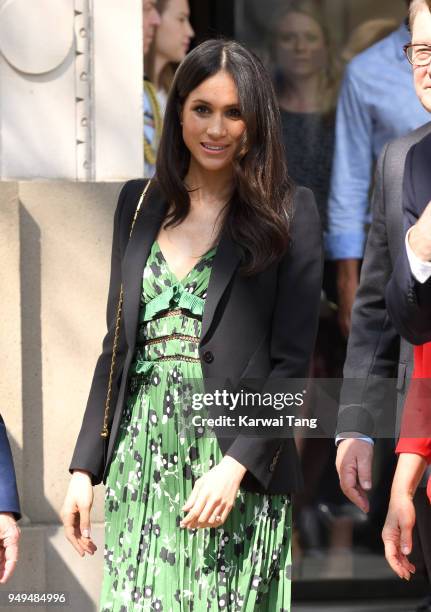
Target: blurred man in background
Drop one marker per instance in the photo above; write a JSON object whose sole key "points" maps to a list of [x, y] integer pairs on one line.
{"points": [[151, 20], [152, 114]]}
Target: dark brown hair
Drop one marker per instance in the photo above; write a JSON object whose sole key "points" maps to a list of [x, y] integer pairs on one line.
{"points": [[259, 212]]}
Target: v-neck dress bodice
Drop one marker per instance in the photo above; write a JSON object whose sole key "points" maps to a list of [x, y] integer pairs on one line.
{"points": [[150, 562], [171, 312]]}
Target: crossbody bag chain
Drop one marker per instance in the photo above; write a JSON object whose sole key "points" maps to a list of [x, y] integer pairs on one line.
{"points": [[105, 431]]}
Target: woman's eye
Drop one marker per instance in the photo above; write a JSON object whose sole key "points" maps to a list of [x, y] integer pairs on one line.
{"points": [[235, 113], [201, 110]]}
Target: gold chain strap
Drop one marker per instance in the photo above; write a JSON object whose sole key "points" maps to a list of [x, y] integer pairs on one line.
{"points": [[105, 431]]}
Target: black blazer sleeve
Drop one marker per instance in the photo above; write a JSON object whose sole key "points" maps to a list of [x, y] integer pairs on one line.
{"points": [[9, 501], [374, 345], [90, 449], [296, 314], [294, 324], [408, 301]]}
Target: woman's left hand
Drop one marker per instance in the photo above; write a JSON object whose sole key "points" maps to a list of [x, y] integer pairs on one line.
{"points": [[213, 495], [397, 534]]}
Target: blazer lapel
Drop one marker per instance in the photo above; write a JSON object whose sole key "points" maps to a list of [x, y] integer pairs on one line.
{"points": [[146, 228], [225, 262], [136, 254]]}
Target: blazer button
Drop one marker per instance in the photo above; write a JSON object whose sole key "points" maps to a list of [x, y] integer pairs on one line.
{"points": [[271, 467], [208, 357]]}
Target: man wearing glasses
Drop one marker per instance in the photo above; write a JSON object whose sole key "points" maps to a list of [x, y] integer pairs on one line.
{"points": [[377, 103], [374, 350], [9, 509]]}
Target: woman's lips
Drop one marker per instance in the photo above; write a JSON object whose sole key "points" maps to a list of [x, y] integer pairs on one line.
{"points": [[213, 149]]}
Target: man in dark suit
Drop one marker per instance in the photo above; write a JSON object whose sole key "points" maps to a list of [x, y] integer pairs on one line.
{"points": [[409, 290], [9, 509], [408, 293], [374, 350]]}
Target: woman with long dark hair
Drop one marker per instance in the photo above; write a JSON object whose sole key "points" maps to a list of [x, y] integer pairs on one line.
{"points": [[220, 279]]}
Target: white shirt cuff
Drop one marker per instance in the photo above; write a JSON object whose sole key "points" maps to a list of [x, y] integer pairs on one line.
{"points": [[340, 438], [420, 269]]}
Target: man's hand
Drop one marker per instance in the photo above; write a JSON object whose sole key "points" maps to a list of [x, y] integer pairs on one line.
{"points": [[354, 462], [9, 537], [420, 235], [347, 285], [214, 495]]}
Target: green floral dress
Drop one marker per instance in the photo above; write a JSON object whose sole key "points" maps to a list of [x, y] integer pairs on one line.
{"points": [[151, 563]]}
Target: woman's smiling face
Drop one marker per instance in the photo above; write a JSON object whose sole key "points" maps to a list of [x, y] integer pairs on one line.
{"points": [[213, 127]]}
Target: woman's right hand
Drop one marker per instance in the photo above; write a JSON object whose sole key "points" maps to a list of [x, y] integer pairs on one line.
{"points": [[75, 513]]}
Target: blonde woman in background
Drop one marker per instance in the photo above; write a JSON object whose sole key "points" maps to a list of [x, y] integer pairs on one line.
{"points": [[306, 79]]}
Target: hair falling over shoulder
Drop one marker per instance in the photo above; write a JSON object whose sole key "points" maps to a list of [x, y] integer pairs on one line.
{"points": [[260, 211]]}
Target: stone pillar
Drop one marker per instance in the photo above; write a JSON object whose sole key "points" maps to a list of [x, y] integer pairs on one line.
{"points": [[71, 96], [54, 283]]}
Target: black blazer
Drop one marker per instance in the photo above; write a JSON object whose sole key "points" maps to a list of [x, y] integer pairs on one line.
{"points": [[253, 327], [408, 301], [374, 350], [9, 501]]}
